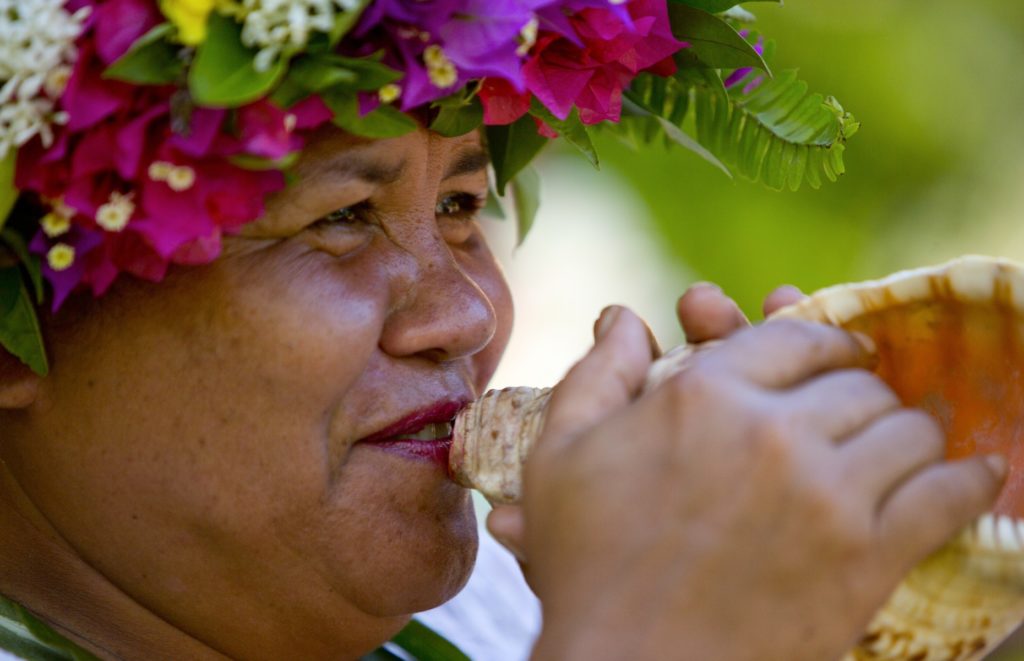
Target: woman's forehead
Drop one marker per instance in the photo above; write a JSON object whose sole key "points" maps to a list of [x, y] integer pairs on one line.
{"points": [[331, 151]]}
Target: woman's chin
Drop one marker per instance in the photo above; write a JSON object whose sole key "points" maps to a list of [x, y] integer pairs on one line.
{"points": [[430, 567]]}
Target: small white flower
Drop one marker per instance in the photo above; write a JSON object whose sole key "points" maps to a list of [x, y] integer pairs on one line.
{"points": [[36, 48], [114, 215], [440, 69], [181, 178], [527, 36], [273, 26]]}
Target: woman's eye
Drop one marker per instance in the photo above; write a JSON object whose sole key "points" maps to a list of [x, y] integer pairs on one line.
{"points": [[340, 216], [459, 205]]}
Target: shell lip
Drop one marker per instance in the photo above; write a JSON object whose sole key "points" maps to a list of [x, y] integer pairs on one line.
{"points": [[996, 534]]}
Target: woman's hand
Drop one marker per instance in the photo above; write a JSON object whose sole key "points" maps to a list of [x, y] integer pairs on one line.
{"points": [[760, 505], [705, 314]]}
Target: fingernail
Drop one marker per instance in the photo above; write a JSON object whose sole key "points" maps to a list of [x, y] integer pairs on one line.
{"points": [[997, 463], [606, 321]]}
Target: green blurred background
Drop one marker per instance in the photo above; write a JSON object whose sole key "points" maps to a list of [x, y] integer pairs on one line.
{"points": [[937, 169]]}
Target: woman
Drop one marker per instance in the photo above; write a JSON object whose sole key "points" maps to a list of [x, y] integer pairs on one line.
{"points": [[247, 460]]}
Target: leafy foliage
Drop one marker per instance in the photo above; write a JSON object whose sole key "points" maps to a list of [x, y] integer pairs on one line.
{"points": [[526, 197], [383, 122], [19, 326], [425, 644], [712, 6], [459, 113], [8, 193], [713, 41], [222, 74], [780, 134], [774, 131], [512, 147], [151, 60]]}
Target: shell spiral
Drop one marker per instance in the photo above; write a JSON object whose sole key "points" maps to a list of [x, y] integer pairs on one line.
{"points": [[951, 340]]}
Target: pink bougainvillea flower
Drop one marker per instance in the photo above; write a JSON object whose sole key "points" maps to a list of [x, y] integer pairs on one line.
{"points": [[592, 77], [267, 131], [503, 104], [119, 23]]}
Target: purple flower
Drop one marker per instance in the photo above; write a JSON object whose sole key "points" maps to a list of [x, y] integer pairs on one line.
{"points": [[739, 74], [485, 39]]}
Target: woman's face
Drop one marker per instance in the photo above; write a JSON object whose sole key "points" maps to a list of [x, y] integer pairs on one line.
{"points": [[198, 441]]}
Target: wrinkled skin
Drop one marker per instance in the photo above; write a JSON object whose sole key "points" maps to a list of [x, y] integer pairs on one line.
{"points": [[195, 441]]}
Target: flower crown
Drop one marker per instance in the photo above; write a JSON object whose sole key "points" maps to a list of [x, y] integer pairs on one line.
{"points": [[135, 133]]}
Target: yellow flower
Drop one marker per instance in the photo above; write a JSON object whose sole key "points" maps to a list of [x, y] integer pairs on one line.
{"points": [[190, 18], [60, 256], [389, 93], [55, 224], [440, 70]]}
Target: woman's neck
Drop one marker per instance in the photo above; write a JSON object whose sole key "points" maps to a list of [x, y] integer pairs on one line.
{"points": [[41, 571]]}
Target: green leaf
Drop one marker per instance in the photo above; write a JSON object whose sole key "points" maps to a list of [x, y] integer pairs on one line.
{"points": [[780, 134], [222, 74], [8, 193], [712, 41], [715, 6], [526, 199], [662, 103], [29, 262], [512, 147], [493, 207], [19, 326], [314, 74], [570, 129], [250, 162], [454, 120], [345, 21], [322, 71], [384, 122], [425, 644], [151, 60]]}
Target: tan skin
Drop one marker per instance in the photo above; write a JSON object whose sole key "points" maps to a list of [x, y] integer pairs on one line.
{"points": [[185, 483]]}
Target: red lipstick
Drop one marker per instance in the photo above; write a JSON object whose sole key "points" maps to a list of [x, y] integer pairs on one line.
{"points": [[396, 438]]}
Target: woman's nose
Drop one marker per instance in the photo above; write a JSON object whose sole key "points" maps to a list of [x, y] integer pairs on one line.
{"points": [[443, 315]]}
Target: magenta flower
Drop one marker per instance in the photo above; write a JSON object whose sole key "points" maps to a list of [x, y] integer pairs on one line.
{"points": [[592, 76], [136, 195]]}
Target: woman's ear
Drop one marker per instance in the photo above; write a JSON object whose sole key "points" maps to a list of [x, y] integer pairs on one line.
{"points": [[19, 385]]}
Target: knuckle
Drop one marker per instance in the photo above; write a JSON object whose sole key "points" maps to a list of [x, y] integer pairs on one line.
{"points": [[833, 510], [773, 437], [696, 385], [917, 426], [864, 381]]}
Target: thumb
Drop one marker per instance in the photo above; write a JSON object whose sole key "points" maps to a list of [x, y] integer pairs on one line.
{"points": [[607, 378]]}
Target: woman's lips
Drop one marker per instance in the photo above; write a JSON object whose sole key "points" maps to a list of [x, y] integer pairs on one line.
{"points": [[395, 438], [435, 451]]}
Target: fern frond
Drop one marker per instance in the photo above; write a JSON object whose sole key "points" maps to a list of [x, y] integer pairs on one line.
{"points": [[779, 133]]}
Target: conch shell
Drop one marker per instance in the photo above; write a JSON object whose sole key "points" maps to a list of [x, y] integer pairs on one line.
{"points": [[951, 341]]}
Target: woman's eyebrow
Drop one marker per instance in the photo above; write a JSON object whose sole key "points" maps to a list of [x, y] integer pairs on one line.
{"points": [[353, 166], [468, 162]]}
